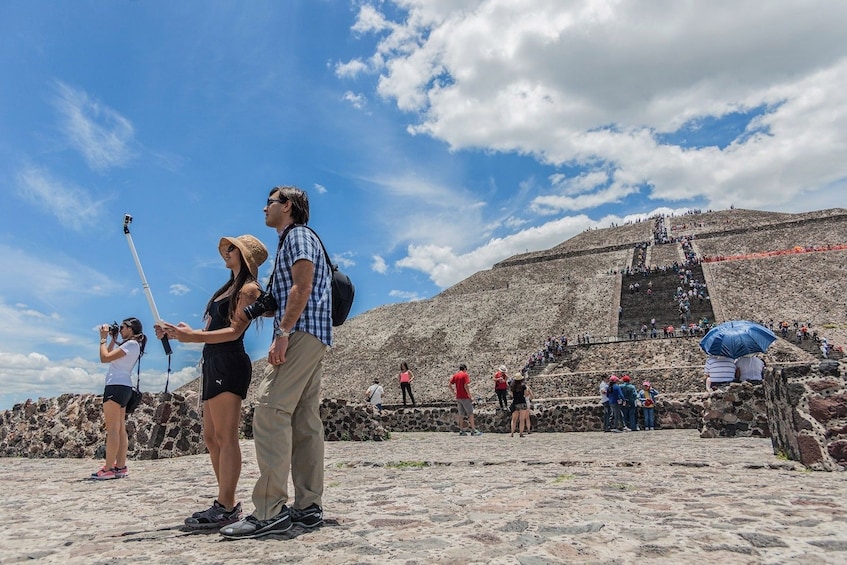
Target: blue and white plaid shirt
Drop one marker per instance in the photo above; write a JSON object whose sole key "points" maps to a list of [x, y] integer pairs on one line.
{"points": [[316, 319]]}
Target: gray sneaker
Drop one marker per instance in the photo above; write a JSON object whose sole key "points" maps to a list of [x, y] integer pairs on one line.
{"points": [[252, 527], [215, 517], [310, 517]]}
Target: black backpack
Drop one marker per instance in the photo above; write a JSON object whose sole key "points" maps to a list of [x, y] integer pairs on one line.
{"points": [[343, 291]]}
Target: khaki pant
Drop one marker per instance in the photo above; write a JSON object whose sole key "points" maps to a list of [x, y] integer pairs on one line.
{"points": [[287, 429]]}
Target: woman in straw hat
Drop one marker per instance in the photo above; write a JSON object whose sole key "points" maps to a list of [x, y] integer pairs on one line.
{"points": [[226, 371]]}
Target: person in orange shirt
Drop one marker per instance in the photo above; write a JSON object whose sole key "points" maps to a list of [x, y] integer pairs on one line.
{"points": [[406, 377]]}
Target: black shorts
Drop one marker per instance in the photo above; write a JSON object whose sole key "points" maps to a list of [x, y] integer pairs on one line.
{"points": [[226, 369], [118, 393]]}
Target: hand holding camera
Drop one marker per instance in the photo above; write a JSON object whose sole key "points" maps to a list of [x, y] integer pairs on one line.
{"points": [[112, 329]]}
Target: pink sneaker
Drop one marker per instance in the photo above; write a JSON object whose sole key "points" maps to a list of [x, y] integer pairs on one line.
{"points": [[104, 474], [121, 472]]}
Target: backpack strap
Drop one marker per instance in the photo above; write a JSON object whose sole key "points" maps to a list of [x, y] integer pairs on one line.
{"points": [[326, 254]]}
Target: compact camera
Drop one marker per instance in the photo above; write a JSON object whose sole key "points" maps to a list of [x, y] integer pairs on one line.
{"points": [[265, 304], [114, 329]]}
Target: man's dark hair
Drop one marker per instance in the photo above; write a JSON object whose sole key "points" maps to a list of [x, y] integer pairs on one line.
{"points": [[299, 202], [463, 367]]}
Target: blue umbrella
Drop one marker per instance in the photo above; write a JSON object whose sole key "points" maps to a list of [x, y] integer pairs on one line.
{"points": [[737, 338]]}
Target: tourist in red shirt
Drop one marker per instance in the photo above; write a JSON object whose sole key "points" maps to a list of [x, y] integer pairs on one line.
{"points": [[501, 387], [460, 386]]}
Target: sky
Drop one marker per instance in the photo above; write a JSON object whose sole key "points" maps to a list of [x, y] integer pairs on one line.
{"points": [[434, 138]]}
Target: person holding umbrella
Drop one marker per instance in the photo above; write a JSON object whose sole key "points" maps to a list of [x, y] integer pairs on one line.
{"points": [[729, 341], [750, 368], [720, 371]]}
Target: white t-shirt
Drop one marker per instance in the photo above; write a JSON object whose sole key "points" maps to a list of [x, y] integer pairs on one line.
{"points": [[120, 370], [376, 391], [750, 368], [720, 369]]}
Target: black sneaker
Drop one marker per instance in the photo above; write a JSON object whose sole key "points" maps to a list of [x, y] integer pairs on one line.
{"points": [[252, 527], [215, 517], [311, 517]]}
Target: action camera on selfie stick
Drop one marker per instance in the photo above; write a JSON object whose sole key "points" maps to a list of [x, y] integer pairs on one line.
{"points": [[165, 343]]}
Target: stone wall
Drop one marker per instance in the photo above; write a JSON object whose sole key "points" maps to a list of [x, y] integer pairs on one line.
{"points": [[71, 425], [163, 426], [343, 421], [735, 411], [671, 412], [807, 409]]}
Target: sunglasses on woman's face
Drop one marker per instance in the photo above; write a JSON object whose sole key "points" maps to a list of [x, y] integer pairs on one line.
{"points": [[231, 248]]}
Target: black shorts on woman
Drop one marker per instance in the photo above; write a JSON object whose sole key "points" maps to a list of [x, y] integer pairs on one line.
{"points": [[117, 393], [226, 368]]}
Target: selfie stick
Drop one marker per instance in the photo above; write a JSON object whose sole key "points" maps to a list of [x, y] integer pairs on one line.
{"points": [[156, 318]]}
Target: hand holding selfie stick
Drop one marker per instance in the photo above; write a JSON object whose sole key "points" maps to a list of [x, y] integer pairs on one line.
{"points": [[165, 343]]}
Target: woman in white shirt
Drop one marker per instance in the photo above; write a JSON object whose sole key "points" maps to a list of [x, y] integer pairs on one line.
{"points": [[121, 358]]}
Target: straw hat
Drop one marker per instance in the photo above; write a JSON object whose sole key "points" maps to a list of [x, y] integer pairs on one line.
{"points": [[252, 250], [518, 377], [502, 368]]}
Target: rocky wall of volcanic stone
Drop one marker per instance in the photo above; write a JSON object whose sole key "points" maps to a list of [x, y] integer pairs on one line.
{"points": [[807, 408], [343, 421], [684, 412], [71, 425], [737, 410], [169, 425]]}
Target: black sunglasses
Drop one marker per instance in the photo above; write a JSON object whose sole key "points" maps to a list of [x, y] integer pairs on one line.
{"points": [[282, 200], [231, 248]]}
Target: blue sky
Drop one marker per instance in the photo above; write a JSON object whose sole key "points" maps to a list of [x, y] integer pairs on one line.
{"points": [[435, 138]]}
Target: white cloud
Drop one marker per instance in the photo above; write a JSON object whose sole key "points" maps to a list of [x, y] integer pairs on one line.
{"points": [[34, 375], [379, 265], [432, 211], [405, 295], [344, 260], [587, 83], [48, 277], [350, 69], [99, 133], [321, 189], [74, 207], [358, 101], [179, 289], [446, 267], [513, 223]]}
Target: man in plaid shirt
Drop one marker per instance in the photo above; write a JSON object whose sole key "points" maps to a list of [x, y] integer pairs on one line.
{"points": [[287, 428]]}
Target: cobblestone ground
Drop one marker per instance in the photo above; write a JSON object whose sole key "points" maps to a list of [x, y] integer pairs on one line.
{"points": [[663, 496]]}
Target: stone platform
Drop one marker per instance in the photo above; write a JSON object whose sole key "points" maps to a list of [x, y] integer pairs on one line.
{"points": [[666, 497]]}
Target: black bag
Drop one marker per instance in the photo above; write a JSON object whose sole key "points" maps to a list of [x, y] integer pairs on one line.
{"points": [[343, 291], [134, 401]]}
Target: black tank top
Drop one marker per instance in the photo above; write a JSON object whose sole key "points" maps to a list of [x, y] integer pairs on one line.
{"points": [[218, 319], [519, 394]]}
